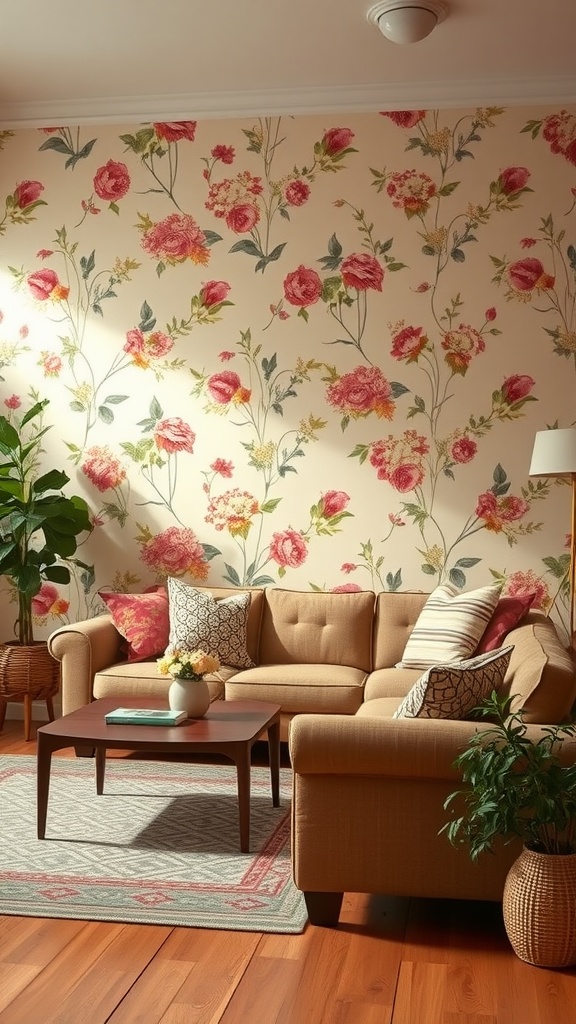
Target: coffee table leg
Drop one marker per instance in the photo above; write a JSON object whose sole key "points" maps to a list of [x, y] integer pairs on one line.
{"points": [[243, 774], [274, 758], [100, 769], [43, 760]]}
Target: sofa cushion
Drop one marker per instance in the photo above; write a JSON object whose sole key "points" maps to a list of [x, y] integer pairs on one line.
{"points": [[453, 690], [142, 619], [334, 689], [390, 682], [449, 626], [199, 620], [508, 613], [317, 628], [541, 672], [395, 618]]}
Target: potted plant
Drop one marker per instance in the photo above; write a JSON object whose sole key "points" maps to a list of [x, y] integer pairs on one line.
{"points": [[520, 787], [39, 528]]}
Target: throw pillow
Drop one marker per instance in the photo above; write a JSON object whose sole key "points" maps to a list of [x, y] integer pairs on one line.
{"points": [[453, 690], [449, 626], [509, 613], [142, 619], [197, 619]]}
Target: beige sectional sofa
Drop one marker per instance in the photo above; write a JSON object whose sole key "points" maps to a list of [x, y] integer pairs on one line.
{"points": [[368, 789]]}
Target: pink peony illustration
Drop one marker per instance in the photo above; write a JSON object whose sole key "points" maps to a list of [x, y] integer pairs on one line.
{"points": [[404, 118], [302, 287], [27, 192], [411, 191], [214, 292], [103, 469], [517, 387], [336, 140], [559, 130], [223, 386], [362, 391], [224, 153], [174, 435], [142, 349], [527, 274], [408, 344], [112, 181], [175, 239], [461, 345], [512, 179], [399, 460], [362, 271], [297, 192], [173, 131], [45, 284], [174, 552], [289, 549], [51, 364], [524, 583], [48, 602], [463, 449], [496, 512], [242, 218], [332, 503], [223, 467]]}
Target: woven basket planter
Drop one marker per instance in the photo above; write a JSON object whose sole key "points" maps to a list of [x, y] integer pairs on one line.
{"points": [[539, 907], [28, 670]]}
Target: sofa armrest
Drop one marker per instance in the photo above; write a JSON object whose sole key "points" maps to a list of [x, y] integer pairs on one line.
{"points": [[84, 648]]}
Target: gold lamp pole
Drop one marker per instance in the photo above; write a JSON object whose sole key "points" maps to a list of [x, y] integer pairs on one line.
{"points": [[554, 454]]}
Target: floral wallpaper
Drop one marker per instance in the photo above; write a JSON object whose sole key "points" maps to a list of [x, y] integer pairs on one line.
{"points": [[310, 352]]}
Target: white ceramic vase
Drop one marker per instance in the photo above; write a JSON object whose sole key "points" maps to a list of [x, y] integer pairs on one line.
{"points": [[189, 695]]}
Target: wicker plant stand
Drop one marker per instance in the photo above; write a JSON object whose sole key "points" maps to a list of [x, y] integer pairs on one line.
{"points": [[27, 673]]}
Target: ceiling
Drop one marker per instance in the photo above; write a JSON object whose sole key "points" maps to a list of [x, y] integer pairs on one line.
{"points": [[69, 62]]}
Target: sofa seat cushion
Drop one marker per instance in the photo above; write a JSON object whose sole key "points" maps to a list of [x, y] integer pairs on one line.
{"points": [[380, 707], [141, 679], [323, 689], [390, 682]]}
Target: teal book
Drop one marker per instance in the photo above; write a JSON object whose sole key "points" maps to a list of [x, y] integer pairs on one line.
{"points": [[144, 716]]}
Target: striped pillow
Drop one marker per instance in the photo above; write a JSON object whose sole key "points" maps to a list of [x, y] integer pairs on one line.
{"points": [[449, 626]]}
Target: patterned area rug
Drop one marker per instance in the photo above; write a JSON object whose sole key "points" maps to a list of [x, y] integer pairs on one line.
{"points": [[160, 846]]}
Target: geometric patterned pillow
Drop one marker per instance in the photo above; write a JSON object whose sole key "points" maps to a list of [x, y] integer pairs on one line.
{"points": [[449, 626], [453, 690], [142, 619], [199, 620]]}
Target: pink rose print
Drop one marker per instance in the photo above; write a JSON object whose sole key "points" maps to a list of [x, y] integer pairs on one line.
{"points": [[513, 179], [408, 344], [48, 602], [490, 314], [346, 588], [45, 284], [27, 192], [404, 118], [288, 549], [224, 153], [496, 512], [411, 191], [243, 218], [362, 271], [223, 467], [51, 364], [302, 287], [406, 477], [213, 293], [173, 131], [235, 194], [175, 239], [14, 402], [233, 511], [527, 274], [174, 435], [297, 192], [521, 584], [461, 346], [174, 552], [517, 387], [463, 449], [399, 460], [559, 130], [332, 503], [336, 140], [112, 181], [142, 349], [225, 387], [103, 469], [361, 392]]}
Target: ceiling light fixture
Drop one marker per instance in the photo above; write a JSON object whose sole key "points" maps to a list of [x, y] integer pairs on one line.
{"points": [[405, 22]]}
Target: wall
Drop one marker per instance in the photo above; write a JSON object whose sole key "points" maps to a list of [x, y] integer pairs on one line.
{"points": [[311, 352]]}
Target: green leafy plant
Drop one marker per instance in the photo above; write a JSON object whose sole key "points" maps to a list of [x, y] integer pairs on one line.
{"points": [[39, 526], [516, 787]]}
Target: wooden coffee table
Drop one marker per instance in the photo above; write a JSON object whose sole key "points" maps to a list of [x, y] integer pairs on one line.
{"points": [[229, 728]]}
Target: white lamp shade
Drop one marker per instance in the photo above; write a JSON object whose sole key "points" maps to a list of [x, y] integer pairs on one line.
{"points": [[407, 21], [554, 453]]}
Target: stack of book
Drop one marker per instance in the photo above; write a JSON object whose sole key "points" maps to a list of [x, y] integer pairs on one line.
{"points": [[144, 716]]}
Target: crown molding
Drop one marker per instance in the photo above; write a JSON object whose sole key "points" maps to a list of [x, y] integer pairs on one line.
{"points": [[273, 102]]}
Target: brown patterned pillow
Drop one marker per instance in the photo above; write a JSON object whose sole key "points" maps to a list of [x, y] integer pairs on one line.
{"points": [[454, 689], [199, 620]]}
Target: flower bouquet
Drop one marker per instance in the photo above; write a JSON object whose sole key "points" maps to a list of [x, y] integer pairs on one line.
{"points": [[183, 664]]}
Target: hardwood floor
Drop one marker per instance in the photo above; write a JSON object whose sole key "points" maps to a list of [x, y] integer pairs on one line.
{"points": [[390, 961]]}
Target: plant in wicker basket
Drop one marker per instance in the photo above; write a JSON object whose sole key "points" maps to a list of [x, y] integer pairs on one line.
{"points": [[39, 528], [523, 786]]}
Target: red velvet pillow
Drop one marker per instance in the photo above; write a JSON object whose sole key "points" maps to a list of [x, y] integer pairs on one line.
{"points": [[142, 619], [508, 613]]}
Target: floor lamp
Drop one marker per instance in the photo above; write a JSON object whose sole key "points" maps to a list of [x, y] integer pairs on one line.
{"points": [[554, 454]]}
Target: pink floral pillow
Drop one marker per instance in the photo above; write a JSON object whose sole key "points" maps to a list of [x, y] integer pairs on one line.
{"points": [[508, 613], [142, 619]]}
